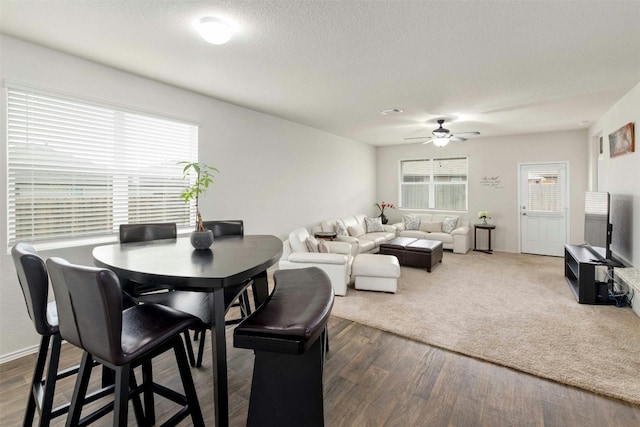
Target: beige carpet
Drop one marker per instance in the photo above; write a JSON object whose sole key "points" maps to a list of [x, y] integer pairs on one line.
{"points": [[514, 310]]}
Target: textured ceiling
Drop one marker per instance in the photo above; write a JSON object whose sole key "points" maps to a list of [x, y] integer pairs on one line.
{"points": [[498, 67]]}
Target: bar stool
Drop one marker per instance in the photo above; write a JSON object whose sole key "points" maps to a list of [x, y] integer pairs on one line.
{"points": [[197, 301], [90, 312], [34, 281]]}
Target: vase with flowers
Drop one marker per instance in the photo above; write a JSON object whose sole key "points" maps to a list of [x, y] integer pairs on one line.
{"points": [[200, 238], [381, 207], [483, 215]]}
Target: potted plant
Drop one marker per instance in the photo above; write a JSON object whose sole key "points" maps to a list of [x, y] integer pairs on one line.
{"points": [[382, 206], [200, 238]]}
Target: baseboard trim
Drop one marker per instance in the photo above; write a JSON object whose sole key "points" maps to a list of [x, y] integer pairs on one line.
{"points": [[18, 354]]}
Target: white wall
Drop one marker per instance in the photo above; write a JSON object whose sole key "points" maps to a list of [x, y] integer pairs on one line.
{"points": [[620, 176], [274, 174], [497, 159]]}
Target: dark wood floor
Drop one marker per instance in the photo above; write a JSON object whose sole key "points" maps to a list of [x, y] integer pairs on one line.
{"points": [[373, 378]]}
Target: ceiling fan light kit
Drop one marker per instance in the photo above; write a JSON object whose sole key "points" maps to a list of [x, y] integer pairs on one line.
{"points": [[440, 142]]}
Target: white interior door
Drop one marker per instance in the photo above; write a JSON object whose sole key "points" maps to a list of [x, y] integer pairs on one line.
{"points": [[543, 208]]}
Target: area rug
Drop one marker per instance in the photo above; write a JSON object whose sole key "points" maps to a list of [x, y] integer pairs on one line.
{"points": [[515, 310]]}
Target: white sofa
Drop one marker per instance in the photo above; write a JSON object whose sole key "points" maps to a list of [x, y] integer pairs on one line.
{"points": [[458, 239], [337, 263], [362, 240]]}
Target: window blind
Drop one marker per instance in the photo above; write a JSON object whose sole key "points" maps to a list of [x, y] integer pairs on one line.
{"points": [[545, 190], [77, 169]]}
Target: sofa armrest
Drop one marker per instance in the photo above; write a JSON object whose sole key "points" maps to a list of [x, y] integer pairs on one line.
{"points": [[337, 247], [348, 239], [318, 258], [460, 230]]}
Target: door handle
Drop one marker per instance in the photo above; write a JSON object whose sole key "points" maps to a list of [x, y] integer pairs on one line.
{"points": [[524, 214]]}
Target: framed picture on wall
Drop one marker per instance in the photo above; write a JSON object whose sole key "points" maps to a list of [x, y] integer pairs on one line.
{"points": [[622, 141]]}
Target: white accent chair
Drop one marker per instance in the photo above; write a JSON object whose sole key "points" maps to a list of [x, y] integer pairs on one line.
{"points": [[337, 263]]}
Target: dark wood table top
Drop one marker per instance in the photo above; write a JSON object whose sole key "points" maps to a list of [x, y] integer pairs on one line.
{"points": [[174, 262]]}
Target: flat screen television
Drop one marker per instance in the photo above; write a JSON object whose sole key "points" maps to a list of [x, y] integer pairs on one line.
{"points": [[597, 228]]}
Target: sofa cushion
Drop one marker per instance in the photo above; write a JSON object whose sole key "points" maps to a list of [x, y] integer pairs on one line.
{"points": [[411, 222], [374, 225], [449, 224], [298, 240], [312, 244], [355, 230], [376, 238], [323, 247], [442, 237], [430, 227], [341, 230]]}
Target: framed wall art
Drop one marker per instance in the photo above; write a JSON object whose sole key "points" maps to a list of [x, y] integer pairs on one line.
{"points": [[622, 141]]}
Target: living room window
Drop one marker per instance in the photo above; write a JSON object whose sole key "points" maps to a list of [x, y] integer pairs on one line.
{"points": [[77, 170], [439, 184]]}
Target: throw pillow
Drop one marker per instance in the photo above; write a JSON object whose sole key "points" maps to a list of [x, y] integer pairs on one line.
{"points": [[449, 224], [312, 244], [323, 247], [374, 225], [340, 230], [411, 222], [355, 230], [431, 227]]}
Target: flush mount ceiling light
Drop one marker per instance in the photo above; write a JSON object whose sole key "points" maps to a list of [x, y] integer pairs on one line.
{"points": [[214, 30]]}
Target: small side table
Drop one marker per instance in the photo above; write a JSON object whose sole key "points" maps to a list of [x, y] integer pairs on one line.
{"points": [[327, 235], [487, 227]]}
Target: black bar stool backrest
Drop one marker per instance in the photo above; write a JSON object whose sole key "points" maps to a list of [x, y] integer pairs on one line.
{"points": [[89, 303], [144, 232], [34, 281], [225, 228]]}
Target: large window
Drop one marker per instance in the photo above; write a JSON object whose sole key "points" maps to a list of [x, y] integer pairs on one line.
{"points": [[77, 170], [439, 184]]}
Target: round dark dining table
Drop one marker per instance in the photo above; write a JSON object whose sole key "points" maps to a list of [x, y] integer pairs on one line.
{"points": [[174, 264]]}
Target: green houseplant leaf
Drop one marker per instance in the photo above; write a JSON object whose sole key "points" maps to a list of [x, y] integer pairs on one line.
{"points": [[204, 178]]}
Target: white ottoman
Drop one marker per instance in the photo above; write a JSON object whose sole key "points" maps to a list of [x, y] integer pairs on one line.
{"points": [[376, 272]]}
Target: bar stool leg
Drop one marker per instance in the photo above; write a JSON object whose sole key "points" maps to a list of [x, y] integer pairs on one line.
{"points": [[37, 377], [121, 398], [187, 383], [80, 390], [149, 399]]}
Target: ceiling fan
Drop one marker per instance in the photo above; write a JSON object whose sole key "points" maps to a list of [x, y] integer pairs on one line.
{"points": [[442, 136]]}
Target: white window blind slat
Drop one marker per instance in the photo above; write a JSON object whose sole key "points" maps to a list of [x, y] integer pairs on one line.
{"points": [[77, 170]]}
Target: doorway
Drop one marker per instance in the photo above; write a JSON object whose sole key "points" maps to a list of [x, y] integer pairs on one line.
{"points": [[543, 192]]}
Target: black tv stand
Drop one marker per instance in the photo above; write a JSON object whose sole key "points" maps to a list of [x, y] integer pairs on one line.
{"points": [[580, 264]]}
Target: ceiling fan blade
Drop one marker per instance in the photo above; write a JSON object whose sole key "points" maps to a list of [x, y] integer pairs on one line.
{"points": [[465, 134], [457, 138], [420, 137]]}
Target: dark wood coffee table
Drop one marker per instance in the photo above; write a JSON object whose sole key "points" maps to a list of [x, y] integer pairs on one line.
{"points": [[414, 252]]}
